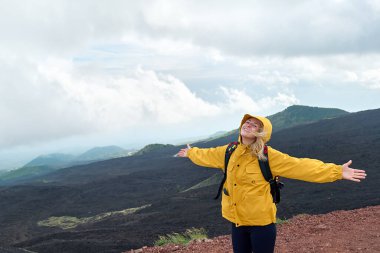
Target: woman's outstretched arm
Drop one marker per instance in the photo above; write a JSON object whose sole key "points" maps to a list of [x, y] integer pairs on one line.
{"points": [[311, 170], [206, 157]]}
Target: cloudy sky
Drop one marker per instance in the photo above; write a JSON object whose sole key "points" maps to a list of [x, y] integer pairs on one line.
{"points": [[78, 74]]}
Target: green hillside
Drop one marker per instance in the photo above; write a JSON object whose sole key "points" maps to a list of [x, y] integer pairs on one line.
{"points": [[152, 147], [213, 180], [298, 114], [25, 172]]}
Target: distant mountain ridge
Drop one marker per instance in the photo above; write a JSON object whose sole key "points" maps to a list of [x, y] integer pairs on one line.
{"points": [[55, 160], [102, 153], [45, 164], [63, 160]]}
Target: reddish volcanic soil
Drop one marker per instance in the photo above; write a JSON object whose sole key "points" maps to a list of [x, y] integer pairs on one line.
{"points": [[340, 231]]}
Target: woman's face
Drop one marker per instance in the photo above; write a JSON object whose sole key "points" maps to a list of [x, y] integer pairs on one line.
{"points": [[249, 127]]}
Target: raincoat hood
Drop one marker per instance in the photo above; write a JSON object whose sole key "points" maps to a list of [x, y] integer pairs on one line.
{"points": [[266, 123]]}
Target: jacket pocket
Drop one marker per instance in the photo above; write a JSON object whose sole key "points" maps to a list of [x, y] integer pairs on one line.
{"points": [[227, 205], [254, 179], [254, 207]]}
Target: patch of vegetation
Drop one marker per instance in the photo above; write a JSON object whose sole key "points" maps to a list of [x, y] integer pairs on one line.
{"points": [[185, 238], [213, 180], [281, 221], [67, 222]]}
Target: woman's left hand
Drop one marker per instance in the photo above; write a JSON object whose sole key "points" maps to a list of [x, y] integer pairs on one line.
{"points": [[352, 174], [183, 152]]}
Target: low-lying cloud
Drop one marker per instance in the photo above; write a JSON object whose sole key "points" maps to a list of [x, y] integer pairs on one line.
{"points": [[60, 102]]}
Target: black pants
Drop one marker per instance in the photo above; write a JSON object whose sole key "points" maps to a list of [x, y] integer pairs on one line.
{"points": [[257, 239]]}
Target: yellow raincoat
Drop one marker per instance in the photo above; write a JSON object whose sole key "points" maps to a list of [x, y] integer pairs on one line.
{"points": [[250, 202]]}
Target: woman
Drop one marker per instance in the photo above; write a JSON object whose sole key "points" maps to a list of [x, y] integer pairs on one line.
{"points": [[247, 202]]}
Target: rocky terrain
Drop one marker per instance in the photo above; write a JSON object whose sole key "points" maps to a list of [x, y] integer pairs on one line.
{"points": [[339, 231]]}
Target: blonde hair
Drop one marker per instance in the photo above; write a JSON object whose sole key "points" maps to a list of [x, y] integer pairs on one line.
{"points": [[257, 147]]}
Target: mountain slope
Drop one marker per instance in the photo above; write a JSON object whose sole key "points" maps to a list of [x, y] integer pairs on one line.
{"points": [[24, 173], [159, 179]]}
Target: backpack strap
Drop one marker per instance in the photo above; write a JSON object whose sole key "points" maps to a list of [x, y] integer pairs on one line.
{"points": [[230, 149], [275, 184]]}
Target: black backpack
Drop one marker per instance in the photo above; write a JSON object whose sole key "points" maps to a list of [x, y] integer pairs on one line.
{"points": [[275, 184]]}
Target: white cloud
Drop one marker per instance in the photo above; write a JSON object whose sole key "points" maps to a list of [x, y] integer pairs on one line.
{"points": [[270, 27], [184, 47], [239, 102], [126, 101], [32, 111], [286, 99], [284, 74], [237, 28], [57, 100], [369, 78]]}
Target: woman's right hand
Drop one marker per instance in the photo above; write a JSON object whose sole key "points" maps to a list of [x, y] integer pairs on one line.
{"points": [[183, 152]]}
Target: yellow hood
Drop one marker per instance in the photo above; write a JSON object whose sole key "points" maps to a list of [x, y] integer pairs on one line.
{"points": [[266, 123]]}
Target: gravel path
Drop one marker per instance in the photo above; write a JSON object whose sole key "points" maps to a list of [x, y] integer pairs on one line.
{"points": [[340, 231]]}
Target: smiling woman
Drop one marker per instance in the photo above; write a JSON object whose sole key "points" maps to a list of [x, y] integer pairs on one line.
{"points": [[247, 201], [253, 134]]}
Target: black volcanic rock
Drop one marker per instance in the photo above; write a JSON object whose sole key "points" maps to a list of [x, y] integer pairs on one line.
{"points": [[13, 250]]}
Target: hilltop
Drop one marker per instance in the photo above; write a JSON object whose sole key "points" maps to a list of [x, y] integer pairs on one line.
{"points": [[298, 114]]}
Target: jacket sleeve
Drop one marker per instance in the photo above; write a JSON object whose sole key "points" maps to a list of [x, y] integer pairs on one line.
{"points": [[208, 157], [305, 169]]}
